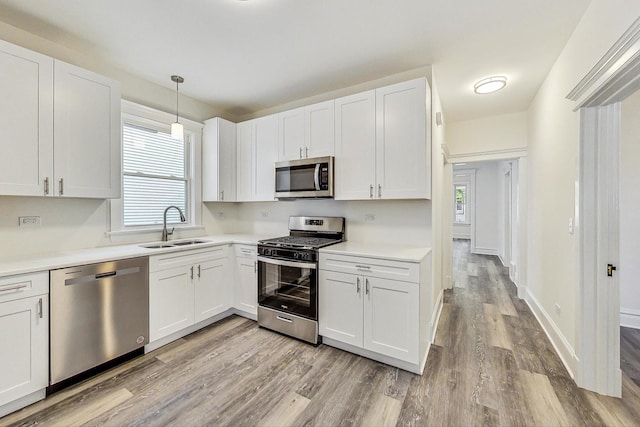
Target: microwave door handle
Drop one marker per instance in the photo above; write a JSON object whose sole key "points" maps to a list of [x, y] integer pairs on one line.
{"points": [[316, 178]]}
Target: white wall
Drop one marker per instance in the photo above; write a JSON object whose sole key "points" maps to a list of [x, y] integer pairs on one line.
{"points": [[553, 146], [488, 201], [503, 133], [629, 268]]}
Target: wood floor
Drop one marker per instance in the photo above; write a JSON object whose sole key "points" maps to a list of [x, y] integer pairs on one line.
{"points": [[491, 365]]}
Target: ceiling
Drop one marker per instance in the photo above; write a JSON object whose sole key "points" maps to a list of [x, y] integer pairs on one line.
{"points": [[245, 56]]}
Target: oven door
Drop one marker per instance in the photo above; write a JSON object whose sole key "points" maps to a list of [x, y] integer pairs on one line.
{"points": [[289, 286]]}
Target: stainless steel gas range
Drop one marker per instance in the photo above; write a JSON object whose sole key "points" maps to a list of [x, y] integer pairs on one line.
{"points": [[288, 276]]}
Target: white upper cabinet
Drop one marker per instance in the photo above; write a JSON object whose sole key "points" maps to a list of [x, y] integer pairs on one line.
{"points": [[60, 131], [306, 132], [257, 154], [86, 133], [265, 156], [355, 174], [26, 120], [219, 161], [403, 154], [383, 148]]}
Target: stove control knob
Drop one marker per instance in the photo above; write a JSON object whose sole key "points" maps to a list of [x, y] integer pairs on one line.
{"points": [[267, 251], [297, 255], [306, 256]]}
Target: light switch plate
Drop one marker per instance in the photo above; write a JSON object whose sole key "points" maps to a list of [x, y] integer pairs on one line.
{"points": [[29, 221]]}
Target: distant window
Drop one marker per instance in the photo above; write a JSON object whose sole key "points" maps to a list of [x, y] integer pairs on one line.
{"points": [[461, 203], [154, 176]]}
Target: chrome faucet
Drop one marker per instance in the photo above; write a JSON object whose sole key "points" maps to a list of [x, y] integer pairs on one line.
{"points": [[165, 232]]}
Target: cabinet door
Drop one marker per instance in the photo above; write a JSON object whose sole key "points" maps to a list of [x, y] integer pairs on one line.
{"points": [[247, 286], [170, 301], [24, 359], [265, 147], [87, 132], [320, 130], [391, 316], [26, 120], [219, 161], [212, 289], [291, 134], [340, 303], [402, 148], [355, 120], [244, 165]]}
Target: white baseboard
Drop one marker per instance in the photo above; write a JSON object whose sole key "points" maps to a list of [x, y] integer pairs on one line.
{"points": [[630, 318], [461, 236], [485, 251], [436, 318], [512, 271], [558, 340]]}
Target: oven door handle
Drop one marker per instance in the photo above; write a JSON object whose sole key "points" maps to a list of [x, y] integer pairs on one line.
{"points": [[294, 264]]}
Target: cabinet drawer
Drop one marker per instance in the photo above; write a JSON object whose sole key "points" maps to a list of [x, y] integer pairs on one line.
{"points": [[23, 286], [246, 251], [188, 257], [386, 269]]}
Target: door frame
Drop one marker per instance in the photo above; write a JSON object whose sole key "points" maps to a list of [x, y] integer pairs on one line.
{"points": [[598, 95]]}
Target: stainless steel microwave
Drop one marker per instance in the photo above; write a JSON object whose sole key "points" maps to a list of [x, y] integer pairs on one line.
{"points": [[305, 178]]}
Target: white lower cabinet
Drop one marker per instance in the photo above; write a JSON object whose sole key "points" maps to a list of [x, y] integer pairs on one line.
{"points": [[373, 305], [246, 279], [24, 334], [187, 287]]}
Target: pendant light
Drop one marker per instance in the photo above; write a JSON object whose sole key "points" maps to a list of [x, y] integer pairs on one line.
{"points": [[177, 130]]}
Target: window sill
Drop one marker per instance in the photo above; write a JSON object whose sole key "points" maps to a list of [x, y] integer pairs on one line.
{"points": [[152, 234]]}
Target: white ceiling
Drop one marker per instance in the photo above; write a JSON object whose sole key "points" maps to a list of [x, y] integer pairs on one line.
{"points": [[245, 56]]}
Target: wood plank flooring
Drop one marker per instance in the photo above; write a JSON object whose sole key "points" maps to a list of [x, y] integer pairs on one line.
{"points": [[491, 364]]}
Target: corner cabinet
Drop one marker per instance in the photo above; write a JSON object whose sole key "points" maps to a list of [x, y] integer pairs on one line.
{"points": [[57, 142], [376, 307], [257, 144], [187, 287], [24, 334], [383, 143], [219, 161]]}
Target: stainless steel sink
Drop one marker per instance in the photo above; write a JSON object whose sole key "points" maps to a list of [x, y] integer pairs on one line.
{"points": [[158, 246], [189, 242], [174, 244]]}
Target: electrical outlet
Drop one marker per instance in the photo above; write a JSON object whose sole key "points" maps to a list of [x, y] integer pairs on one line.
{"points": [[264, 214], [220, 215], [29, 221], [558, 310], [369, 217]]}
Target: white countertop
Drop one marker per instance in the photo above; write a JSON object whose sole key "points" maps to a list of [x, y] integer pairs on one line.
{"points": [[378, 250], [32, 263]]}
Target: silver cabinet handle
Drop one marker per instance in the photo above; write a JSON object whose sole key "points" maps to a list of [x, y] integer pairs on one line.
{"points": [[306, 152], [46, 185], [199, 271], [371, 191], [255, 267], [357, 284], [222, 195], [379, 190], [366, 267], [300, 152], [191, 272], [366, 284], [40, 312], [61, 186], [13, 288]]}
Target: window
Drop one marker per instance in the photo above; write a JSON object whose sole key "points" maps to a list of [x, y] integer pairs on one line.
{"points": [[154, 176], [157, 172], [461, 203]]}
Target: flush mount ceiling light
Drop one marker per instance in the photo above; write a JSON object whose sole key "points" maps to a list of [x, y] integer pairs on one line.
{"points": [[490, 85], [177, 130]]}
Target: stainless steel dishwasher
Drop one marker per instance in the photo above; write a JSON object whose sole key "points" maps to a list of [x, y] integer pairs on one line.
{"points": [[98, 312]]}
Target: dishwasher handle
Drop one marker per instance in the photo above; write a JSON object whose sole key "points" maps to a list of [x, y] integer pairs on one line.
{"points": [[99, 276]]}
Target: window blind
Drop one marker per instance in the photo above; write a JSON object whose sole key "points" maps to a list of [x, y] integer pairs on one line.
{"points": [[154, 176]]}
